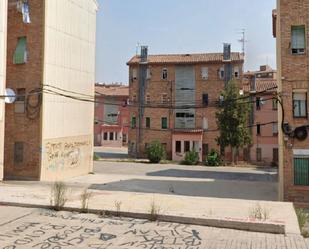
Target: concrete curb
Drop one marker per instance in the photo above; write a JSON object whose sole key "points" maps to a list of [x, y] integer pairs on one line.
{"points": [[231, 223]]}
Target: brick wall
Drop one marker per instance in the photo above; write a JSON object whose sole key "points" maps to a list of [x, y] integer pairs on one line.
{"points": [[156, 87], [294, 72], [18, 127]]}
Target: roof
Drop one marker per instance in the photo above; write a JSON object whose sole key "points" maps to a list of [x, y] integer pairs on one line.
{"points": [[262, 85], [112, 90], [186, 58]]}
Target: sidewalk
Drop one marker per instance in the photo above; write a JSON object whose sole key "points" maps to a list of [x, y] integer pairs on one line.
{"points": [[38, 193]]}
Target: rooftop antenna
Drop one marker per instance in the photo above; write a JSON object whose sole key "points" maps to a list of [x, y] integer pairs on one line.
{"points": [[138, 45], [243, 40]]}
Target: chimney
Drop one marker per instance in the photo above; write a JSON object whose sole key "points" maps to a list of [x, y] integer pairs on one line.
{"points": [[144, 53], [226, 52]]}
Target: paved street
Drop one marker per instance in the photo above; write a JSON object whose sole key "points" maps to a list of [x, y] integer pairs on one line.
{"points": [[219, 182], [37, 228]]}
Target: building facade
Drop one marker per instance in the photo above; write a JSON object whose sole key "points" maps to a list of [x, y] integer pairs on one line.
{"points": [[111, 115], [51, 66], [3, 32], [262, 87], [291, 22], [171, 100]]}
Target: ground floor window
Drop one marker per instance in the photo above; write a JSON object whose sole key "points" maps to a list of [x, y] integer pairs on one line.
{"points": [[275, 155], [111, 136], [105, 136], [124, 138], [178, 146], [205, 149], [301, 171], [187, 146]]}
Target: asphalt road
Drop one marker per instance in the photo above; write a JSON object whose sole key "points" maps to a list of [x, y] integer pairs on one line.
{"points": [[22, 228]]}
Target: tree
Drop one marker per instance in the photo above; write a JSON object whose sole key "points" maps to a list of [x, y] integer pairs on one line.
{"points": [[232, 120]]}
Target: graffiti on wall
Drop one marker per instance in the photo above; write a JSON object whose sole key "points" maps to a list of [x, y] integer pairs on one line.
{"points": [[66, 155]]}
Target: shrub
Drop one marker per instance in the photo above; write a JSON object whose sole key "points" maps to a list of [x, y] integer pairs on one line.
{"points": [[155, 152], [58, 195], [213, 158], [191, 158]]}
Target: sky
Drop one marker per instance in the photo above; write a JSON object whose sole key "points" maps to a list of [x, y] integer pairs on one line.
{"points": [[180, 26]]}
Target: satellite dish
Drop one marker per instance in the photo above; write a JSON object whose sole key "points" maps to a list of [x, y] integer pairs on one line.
{"points": [[301, 133], [10, 96]]}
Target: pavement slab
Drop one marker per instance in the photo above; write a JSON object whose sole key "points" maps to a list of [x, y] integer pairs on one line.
{"points": [[41, 228]]}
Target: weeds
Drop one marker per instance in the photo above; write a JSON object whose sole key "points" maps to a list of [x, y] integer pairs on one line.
{"points": [[85, 198], [118, 207], [154, 211], [96, 157], [303, 218], [58, 195], [258, 212]]}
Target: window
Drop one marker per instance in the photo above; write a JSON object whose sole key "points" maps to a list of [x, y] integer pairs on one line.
{"points": [[178, 146], [221, 73], [301, 171], [133, 123], [236, 72], [164, 123], [147, 122], [111, 136], [204, 73], [21, 54], [148, 99], [259, 154], [19, 105], [258, 103], [18, 152], [187, 146], [164, 74], [300, 105], [205, 99], [146, 146], [134, 74], [124, 138], [148, 76], [105, 136], [116, 136], [205, 123], [164, 99], [275, 129], [258, 129], [298, 39], [275, 104]]}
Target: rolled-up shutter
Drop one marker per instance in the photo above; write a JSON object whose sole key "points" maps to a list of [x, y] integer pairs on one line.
{"points": [[20, 55]]}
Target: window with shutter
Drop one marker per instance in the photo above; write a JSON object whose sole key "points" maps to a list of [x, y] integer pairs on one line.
{"points": [[298, 42], [300, 105], [205, 73], [20, 54]]}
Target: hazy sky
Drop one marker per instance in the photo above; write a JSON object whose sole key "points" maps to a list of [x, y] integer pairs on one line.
{"points": [[180, 26]]}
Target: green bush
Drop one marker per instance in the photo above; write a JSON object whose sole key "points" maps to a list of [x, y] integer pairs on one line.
{"points": [[191, 158], [213, 158], [155, 152]]}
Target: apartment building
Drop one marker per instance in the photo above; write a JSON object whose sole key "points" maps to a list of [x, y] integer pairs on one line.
{"points": [[3, 28], [50, 55], [291, 22], [172, 100], [111, 115], [261, 85]]}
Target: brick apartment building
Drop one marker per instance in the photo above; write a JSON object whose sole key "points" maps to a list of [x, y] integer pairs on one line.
{"points": [[264, 148], [3, 32], [51, 51], [111, 115], [291, 22], [172, 96]]}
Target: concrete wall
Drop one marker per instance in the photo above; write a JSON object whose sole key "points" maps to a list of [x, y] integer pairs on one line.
{"points": [[69, 63], [3, 28]]}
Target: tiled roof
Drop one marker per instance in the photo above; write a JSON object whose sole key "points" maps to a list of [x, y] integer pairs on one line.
{"points": [[112, 90], [186, 58], [262, 85]]}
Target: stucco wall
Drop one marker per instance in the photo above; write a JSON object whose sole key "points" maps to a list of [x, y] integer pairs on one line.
{"points": [[69, 63], [3, 27]]}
